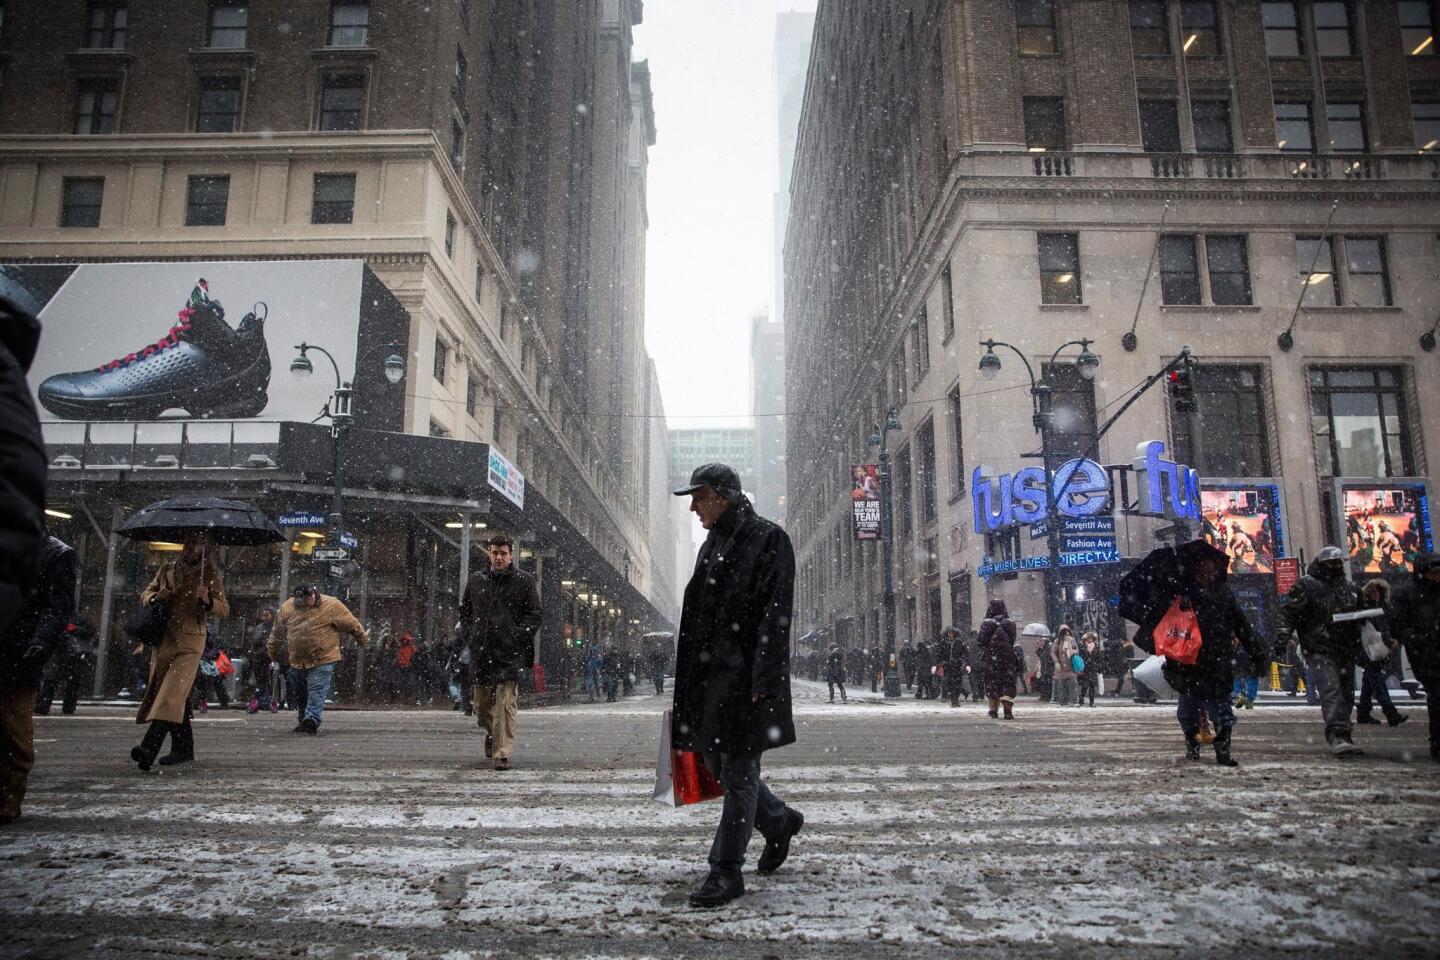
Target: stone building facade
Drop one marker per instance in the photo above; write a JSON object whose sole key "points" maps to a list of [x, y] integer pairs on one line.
{"points": [[1037, 172], [486, 161]]}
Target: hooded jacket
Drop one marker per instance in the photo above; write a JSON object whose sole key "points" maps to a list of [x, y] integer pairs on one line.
{"points": [[835, 665], [1309, 607], [996, 641], [1415, 618]]}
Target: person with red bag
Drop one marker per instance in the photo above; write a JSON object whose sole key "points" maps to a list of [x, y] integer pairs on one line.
{"points": [[1197, 631], [732, 674]]}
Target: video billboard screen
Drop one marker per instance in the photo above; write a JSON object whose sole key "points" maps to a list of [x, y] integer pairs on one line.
{"points": [[1386, 525], [1243, 520], [213, 339]]}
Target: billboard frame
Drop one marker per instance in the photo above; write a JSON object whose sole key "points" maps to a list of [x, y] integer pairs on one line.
{"points": [[1339, 486]]}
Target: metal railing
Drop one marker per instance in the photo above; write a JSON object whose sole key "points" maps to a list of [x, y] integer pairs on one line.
{"points": [[1212, 166]]}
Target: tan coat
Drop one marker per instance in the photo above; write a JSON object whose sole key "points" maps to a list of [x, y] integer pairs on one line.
{"points": [[173, 663], [312, 634]]}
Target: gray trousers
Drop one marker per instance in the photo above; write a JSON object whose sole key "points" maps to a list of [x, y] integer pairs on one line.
{"points": [[1335, 685], [1064, 692], [748, 805]]}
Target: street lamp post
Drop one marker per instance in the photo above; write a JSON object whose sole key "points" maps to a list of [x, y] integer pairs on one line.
{"points": [[342, 418], [887, 543], [1042, 417]]}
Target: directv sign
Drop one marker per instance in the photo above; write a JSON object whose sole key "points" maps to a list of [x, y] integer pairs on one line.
{"points": [[1083, 488]]}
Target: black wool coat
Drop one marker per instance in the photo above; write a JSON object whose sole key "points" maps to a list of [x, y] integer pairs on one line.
{"points": [[1416, 618], [734, 640], [500, 615], [22, 463]]}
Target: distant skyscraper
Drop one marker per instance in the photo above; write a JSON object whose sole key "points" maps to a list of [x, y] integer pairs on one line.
{"points": [[792, 60], [767, 403]]}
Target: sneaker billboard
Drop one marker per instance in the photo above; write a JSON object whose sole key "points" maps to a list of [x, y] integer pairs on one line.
{"points": [[207, 340]]}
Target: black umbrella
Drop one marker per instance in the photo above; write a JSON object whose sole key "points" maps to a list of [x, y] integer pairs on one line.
{"points": [[225, 521], [1147, 591]]}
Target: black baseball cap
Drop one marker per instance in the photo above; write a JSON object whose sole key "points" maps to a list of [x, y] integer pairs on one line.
{"points": [[722, 479]]}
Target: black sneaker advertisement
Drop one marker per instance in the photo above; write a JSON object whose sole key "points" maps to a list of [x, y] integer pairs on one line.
{"points": [[209, 340]]}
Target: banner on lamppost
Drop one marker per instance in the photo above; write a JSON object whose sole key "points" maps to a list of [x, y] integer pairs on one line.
{"points": [[865, 500]]}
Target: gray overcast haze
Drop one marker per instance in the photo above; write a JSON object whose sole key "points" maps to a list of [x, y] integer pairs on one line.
{"points": [[712, 173]]}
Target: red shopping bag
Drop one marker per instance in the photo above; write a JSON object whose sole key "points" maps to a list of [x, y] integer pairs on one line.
{"points": [[1177, 637], [681, 777], [223, 666]]}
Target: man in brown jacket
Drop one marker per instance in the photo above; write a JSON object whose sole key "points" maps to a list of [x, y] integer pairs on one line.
{"points": [[309, 624]]}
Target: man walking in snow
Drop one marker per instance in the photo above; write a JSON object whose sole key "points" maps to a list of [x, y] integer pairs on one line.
{"points": [[501, 614], [732, 673]]}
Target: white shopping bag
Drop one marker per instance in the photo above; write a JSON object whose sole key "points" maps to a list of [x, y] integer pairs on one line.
{"points": [[1374, 643], [681, 777], [1149, 673]]}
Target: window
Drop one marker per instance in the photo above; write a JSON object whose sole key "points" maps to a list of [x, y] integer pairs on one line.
{"points": [[479, 283], [96, 100], [1315, 263], [457, 82], [1417, 28], [1035, 20], [1230, 408], [1059, 268], [206, 200], [1332, 30], [442, 359], [1426, 117], [334, 198], [920, 343], [1347, 127], [1229, 265], [1211, 119], [961, 608], [80, 201], [228, 20], [1293, 131], [457, 145], [1282, 30], [1045, 123], [1179, 269], [957, 442], [218, 106], [449, 234], [929, 496], [1369, 281], [497, 420], [1199, 28], [105, 24], [1072, 412], [947, 302], [1150, 28], [342, 100], [472, 392], [904, 496], [1159, 126], [1004, 544], [1358, 418], [349, 23]]}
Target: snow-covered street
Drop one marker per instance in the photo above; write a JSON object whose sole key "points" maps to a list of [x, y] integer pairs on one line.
{"points": [[929, 831]]}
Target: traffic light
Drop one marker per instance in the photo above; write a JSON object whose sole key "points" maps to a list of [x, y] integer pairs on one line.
{"points": [[1182, 390]]}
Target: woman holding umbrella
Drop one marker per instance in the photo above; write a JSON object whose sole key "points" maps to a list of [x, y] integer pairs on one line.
{"points": [[190, 586], [190, 591]]}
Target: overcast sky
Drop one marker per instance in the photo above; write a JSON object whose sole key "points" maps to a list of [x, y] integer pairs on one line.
{"points": [[712, 174]]}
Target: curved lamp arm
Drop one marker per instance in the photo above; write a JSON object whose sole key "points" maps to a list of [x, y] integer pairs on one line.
{"points": [[306, 347]]}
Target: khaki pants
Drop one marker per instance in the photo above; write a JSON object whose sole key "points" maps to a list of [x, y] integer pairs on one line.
{"points": [[17, 741], [495, 706]]}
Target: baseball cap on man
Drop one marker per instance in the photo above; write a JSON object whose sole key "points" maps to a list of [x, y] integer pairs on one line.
{"points": [[722, 479]]}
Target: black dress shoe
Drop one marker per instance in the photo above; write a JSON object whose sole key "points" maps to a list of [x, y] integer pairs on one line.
{"points": [[717, 890], [1367, 719], [778, 849], [1398, 719], [308, 725], [203, 366], [170, 759]]}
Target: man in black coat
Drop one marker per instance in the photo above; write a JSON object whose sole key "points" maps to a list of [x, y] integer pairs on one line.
{"points": [[732, 673], [73, 660], [1416, 622], [500, 614], [1195, 575], [1331, 648], [22, 462], [31, 639]]}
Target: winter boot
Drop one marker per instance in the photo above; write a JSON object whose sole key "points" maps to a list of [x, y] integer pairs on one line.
{"points": [[1009, 706], [994, 705], [144, 754], [1366, 718], [1396, 719], [202, 366], [1342, 746], [1222, 749], [1192, 748]]}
